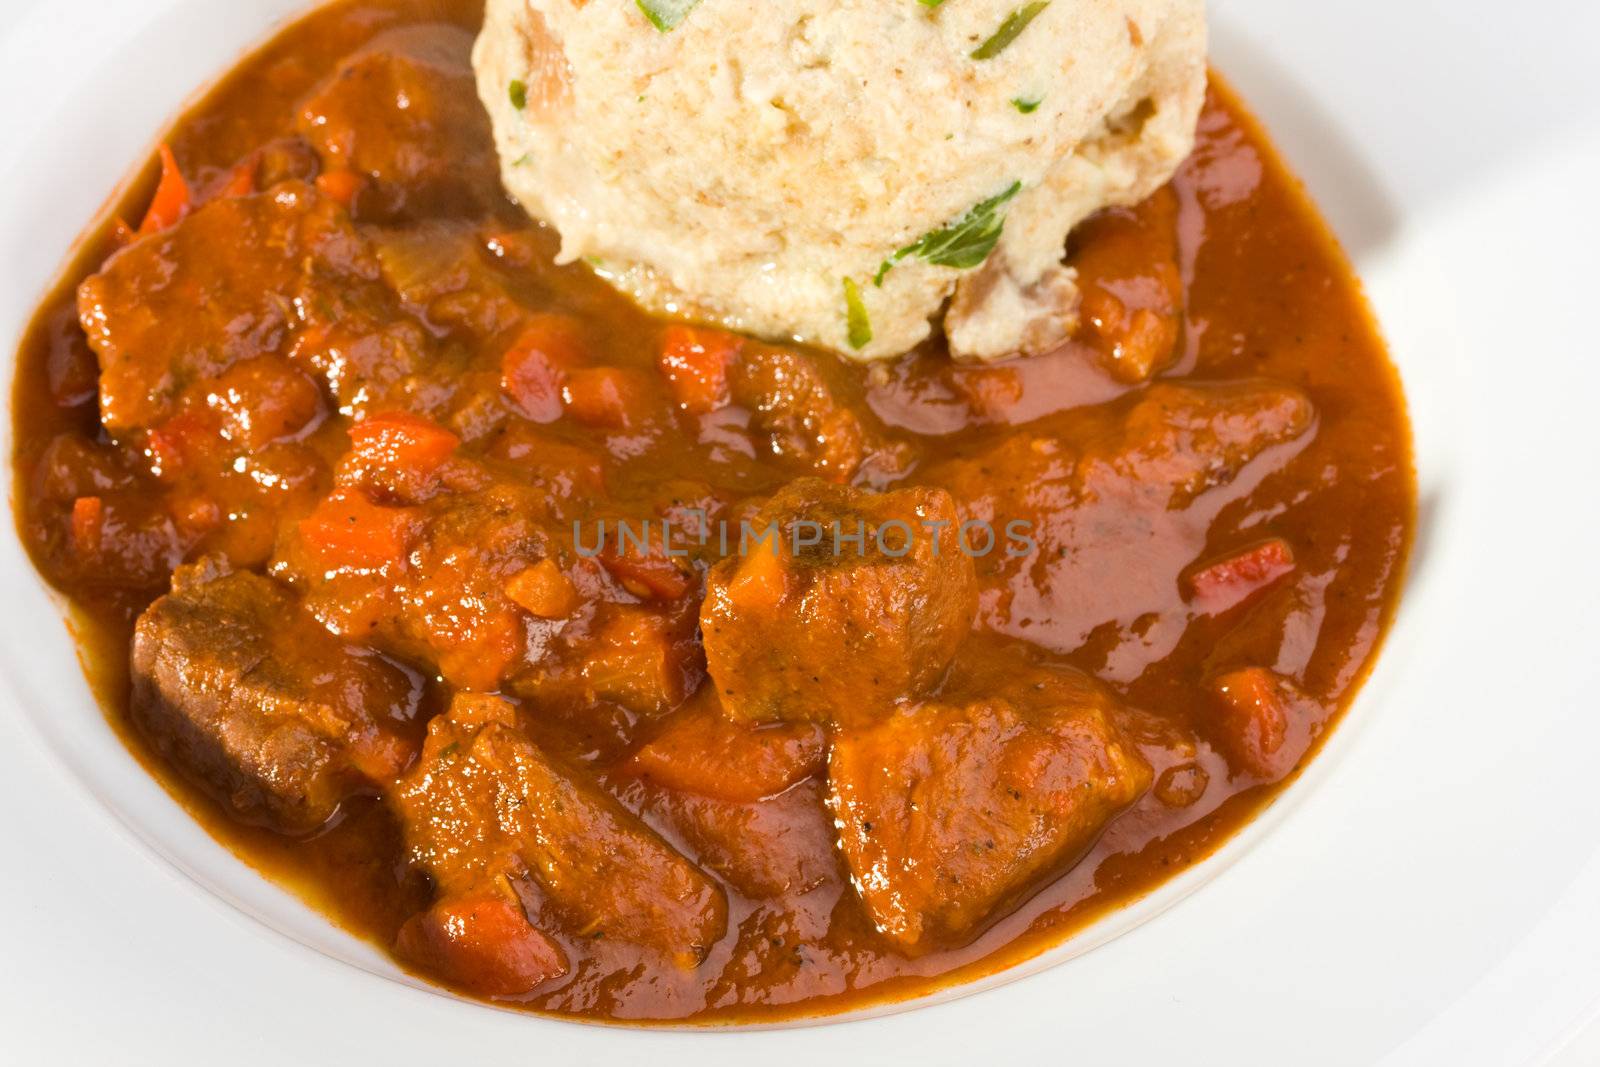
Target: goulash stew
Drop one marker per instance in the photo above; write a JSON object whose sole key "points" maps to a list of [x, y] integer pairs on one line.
{"points": [[636, 670]]}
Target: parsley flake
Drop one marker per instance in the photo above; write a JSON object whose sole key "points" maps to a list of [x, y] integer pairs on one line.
{"points": [[964, 243], [855, 314], [1009, 30], [665, 15]]}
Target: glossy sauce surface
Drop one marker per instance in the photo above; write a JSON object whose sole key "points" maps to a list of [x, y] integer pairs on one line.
{"points": [[1265, 337]]}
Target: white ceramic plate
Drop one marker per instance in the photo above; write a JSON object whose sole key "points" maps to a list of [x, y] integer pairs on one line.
{"points": [[1425, 894]]}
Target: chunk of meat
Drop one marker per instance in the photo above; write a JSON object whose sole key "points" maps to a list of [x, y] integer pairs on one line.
{"points": [[280, 160], [951, 810], [1130, 493], [95, 521], [765, 848], [702, 751], [1182, 441], [403, 112], [372, 361], [167, 311], [983, 317], [272, 716], [442, 268], [795, 407], [643, 658], [485, 802], [429, 583], [853, 601], [477, 579], [1131, 307], [259, 402]]}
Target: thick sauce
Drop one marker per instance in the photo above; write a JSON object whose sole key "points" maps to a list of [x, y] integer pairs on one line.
{"points": [[1232, 257]]}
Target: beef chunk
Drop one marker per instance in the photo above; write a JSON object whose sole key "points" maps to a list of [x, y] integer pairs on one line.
{"points": [[275, 718], [1130, 493], [1127, 265], [1182, 441], [804, 422], [437, 592], [474, 575], [812, 627], [374, 359], [766, 848], [171, 310], [951, 809], [404, 112], [442, 268], [486, 803]]}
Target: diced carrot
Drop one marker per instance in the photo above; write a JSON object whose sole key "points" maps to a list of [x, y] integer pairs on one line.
{"points": [[1229, 581], [606, 396], [172, 196], [702, 751], [341, 185], [171, 444], [648, 577], [402, 442], [88, 522], [348, 530], [544, 591], [1254, 722], [695, 362], [515, 247], [534, 369], [484, 943], [241, 179]]}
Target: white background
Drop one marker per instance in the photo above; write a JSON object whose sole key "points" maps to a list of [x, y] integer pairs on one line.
{"points": [[1432, 894]]}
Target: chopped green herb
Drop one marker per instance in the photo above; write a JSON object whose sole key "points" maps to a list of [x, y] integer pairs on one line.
{"points": [[1027, 107], [523, 160], [665, 15], [1014, 24], [519, 94], [964, 243], [930, 3], [855, 314]]}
